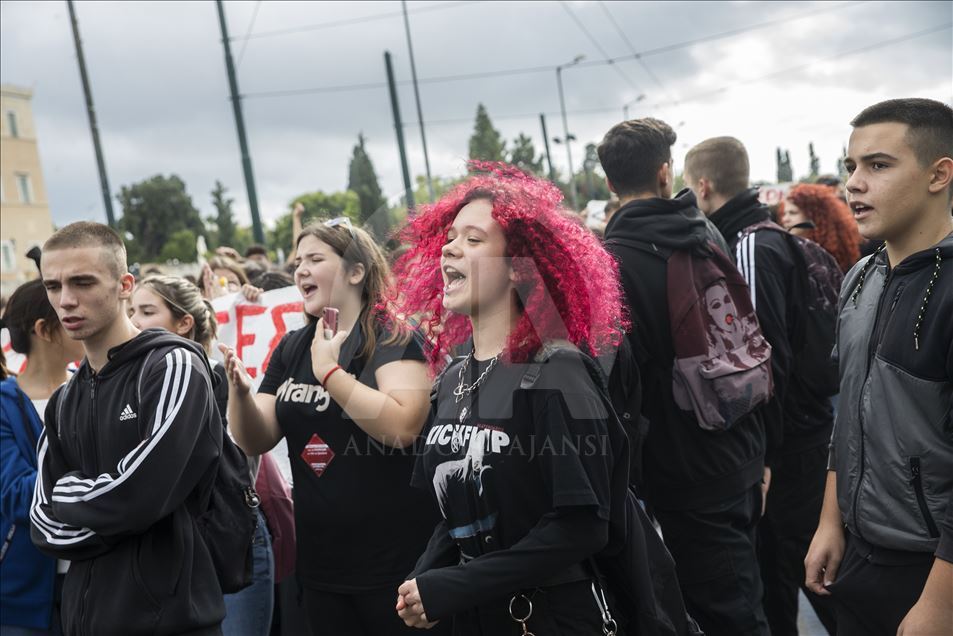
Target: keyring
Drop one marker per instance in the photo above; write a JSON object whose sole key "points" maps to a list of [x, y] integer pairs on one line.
{"points": [[528, 602]]}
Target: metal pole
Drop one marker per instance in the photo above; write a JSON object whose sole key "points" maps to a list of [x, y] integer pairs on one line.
{"points": [[562, 104], [420, 114], [625, 112], [399, 127], [240, 124], [91, 113], [549, 159]]}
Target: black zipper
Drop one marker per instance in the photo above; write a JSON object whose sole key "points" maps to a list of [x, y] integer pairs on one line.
{"points": [[917, 482], [871, 350], [94, 418]]}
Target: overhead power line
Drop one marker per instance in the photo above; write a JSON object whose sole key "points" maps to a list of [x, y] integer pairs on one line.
{"points": [[606, 57], [251, 25], [628, 43], [708, 93], [549, 68], [351, 21]]}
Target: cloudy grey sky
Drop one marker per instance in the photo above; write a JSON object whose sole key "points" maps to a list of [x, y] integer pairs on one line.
{"points": [[158, 78]]}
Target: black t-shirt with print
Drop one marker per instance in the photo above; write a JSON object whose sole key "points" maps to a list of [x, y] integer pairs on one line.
{"points": [[360, 526], [518, 454]]}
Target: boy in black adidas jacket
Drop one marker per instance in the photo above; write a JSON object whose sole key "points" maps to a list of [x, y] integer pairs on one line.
{"points": [[798, 420], [127, 458]]}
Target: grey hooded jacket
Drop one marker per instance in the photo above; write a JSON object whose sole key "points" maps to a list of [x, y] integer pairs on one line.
{"points": [[892, 446]]}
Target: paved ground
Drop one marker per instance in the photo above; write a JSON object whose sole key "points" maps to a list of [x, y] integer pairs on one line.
{"points": [[807, 623]]}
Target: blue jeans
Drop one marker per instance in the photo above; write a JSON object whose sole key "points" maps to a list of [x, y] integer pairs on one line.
{"points": [[248, 612]]}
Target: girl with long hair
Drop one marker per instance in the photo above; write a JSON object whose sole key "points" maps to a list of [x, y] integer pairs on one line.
{"points": [[176, 305], [814, 212], [29, 585], [524, 477], [350, 405]]}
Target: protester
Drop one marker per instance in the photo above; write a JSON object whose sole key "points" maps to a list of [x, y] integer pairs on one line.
{"points": [[30, 583], [834, 184], [177, 306], [350, 405], [704, 487], [127, 457], [827, 221], [890, 478], [221, 276], [800, 417], [259, 254], [496, 260]]}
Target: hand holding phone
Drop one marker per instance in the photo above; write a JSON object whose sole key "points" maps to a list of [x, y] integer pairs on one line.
{"points": [[330, 317]]}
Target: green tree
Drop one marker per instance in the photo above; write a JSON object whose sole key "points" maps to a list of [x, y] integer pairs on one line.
{"points": [[815, 162], [224, 219], [785, 174], [841, 166], [152, 211], [181, 245], [362, 179], [486, 143], [523, 155], [317, 206]]}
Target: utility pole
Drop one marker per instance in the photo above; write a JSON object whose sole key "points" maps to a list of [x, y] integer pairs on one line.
{"points": [[549, 159], [240, 124], [91, 113], [399, 127], [420, 114], [562, 104]]}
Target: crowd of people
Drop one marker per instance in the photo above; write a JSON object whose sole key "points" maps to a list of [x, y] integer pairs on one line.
{"points": [[513, 424]]}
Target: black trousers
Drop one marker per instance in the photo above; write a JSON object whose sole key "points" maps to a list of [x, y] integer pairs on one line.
{"points": [[784, 535], [875, 588], [714, 552], [360, 614]]}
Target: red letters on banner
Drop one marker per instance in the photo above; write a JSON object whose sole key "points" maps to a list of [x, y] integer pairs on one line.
{"points": [[242, 339]]}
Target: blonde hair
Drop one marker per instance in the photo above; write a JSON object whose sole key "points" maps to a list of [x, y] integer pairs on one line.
{"points": [[182, 297]]}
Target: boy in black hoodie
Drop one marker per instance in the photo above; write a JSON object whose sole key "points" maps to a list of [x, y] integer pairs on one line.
{"points": [[127, 457], [703, 486], [799, 420]]}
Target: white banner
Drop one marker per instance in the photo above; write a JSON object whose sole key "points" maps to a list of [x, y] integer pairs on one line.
{"points": [[255, 329]]}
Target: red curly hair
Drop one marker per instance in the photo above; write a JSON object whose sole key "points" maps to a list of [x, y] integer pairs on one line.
{"points": [[835, 229], [568, 284]]}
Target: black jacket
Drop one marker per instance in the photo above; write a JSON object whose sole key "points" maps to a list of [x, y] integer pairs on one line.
{"points": [[126, 465], [684, 466], [797, 419]]}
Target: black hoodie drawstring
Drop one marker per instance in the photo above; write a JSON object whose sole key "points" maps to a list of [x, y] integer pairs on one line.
{"points": [[863, 273], [926, 299]]}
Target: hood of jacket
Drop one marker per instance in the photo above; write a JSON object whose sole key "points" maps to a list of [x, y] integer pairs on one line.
{"points": [[674, 223], [742, 210], [149, 339]]}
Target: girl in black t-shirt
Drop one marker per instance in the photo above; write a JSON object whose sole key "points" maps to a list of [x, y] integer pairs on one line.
{"points": [[521, 456], [350, 405]]}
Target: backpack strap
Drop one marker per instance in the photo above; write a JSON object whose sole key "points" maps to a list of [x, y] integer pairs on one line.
{"points": [[27, 424]]}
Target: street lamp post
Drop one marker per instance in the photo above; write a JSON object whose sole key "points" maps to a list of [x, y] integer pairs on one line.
{"points": [[562, 105], [625, 107]]}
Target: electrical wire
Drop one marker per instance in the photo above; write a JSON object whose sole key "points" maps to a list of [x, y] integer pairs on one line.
{"points": [[598, 46], [251, 25], [628, 43]]}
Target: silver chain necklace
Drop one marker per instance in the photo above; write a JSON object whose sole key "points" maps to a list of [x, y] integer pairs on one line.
{"points": [[464, 389]]}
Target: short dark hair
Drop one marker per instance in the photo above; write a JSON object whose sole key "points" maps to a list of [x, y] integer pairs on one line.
{"points": [[273, 280], [929, 123], [721, 160], [89, 234], [256, 249], [632, 152], [829, 180]]}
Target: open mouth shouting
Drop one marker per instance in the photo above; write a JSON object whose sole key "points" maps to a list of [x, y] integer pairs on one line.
{"points": [[308, 289], [860, 209], [452, 279]]}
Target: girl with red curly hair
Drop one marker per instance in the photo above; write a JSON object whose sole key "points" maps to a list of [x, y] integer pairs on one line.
{"points": [[524, 474], [814, 212]]}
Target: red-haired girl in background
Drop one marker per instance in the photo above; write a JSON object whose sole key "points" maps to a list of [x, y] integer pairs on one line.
{"points": [[834, 228]]}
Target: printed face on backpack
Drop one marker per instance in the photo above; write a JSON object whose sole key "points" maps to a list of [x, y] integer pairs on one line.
{"points": [[888, 188], [720, 307], [84, 289], [477, 276], [321, 276]]}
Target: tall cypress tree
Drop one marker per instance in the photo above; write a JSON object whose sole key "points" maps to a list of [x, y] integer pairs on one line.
{"points": [[486, 143], [362, 179], [224, 218]]}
